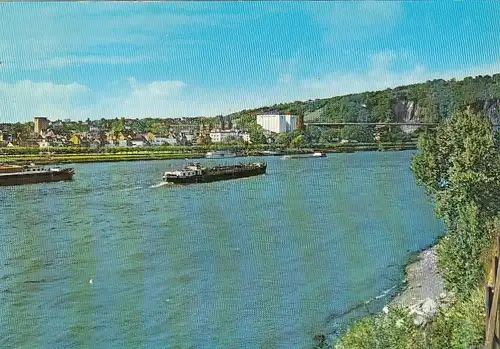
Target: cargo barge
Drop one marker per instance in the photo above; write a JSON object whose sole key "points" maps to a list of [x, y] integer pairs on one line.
{"points": [[18, 175], [220, 154], [195, 173], [302, 156]]}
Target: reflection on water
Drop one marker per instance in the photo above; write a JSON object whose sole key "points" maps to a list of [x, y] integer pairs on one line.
{"points": [[261, 262]]}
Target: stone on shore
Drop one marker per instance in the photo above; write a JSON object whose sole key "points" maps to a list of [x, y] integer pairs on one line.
{"points": [[425, 293]]}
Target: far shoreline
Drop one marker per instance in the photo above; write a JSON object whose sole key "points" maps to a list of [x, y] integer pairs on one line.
{"points": [[149, 155]]}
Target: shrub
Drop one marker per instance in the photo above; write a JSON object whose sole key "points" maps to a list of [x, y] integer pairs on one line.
{"points": [[459, 326]]}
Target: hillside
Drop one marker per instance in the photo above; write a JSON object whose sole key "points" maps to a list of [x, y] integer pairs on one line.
{"points": [[425, 102]]}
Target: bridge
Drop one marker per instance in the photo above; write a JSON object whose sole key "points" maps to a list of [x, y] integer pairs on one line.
{"points": [[370, 123], [334, 124]]}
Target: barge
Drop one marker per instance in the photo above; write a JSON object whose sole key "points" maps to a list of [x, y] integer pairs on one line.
{"points": [[220, 154], [18, 175], [195, 173], [271, 152], [302, 156]]}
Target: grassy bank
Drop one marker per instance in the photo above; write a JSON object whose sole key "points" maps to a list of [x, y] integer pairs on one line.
{"points": [[85, 155], [84, 158]]}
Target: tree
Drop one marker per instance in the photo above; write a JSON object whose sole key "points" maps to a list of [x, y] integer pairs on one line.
{"points": [[206, 140], [459, 167], [283, 139], [298, 141], [331, 135], [358, 133], [460, 160]]}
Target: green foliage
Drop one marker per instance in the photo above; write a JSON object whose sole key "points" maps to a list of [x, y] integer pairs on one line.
{"points": [[298, 141], [432, 101], [459, 167], [357, 133], [461, 252], [497, 140], [248, 122], [394, 330], [459, 326], [283, 139]]}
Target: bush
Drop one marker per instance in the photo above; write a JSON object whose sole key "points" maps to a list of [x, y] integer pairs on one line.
{"points": [[387, 331], [461, 254], [459, 326]]}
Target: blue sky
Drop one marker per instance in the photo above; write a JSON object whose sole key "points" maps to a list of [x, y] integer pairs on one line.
{"points": [[162, 59]]}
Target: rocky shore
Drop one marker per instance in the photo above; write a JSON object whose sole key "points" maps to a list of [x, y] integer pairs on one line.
{"points": [[424, 293]]}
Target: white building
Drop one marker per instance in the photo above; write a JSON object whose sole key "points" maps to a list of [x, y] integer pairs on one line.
{"points": [[164, 140], [218, 136], [138, 143], [277, 123]]}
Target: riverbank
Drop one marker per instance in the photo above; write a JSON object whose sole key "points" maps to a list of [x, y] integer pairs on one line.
{"points": [[146, 154], [421, 292], [423, 280], [424, 293]]}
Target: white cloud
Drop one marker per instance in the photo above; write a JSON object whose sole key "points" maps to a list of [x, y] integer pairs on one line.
{"points": [[140, 99], [382, 60], [24, 99], [286, 77], [379, 76], [155, 89], [174, 98]]}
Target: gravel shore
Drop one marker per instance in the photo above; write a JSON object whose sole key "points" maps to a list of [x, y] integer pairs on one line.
{"points": [[423, 281]]}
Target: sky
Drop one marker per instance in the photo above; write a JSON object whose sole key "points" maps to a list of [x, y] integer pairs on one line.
{"points": [[95, 60]]}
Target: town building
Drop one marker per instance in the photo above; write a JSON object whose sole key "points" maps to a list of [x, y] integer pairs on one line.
{"points": [[124, 143], [41, 124], [217, 136], [138, 142], [277, 123], [159, 140]]}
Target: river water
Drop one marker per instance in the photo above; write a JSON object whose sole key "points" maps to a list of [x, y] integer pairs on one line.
{"points": [[114, 260]]}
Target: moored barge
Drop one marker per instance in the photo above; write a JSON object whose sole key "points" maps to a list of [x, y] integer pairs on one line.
{"points": [[195, 173], [18, 175], [220, 154], [303, 156]]}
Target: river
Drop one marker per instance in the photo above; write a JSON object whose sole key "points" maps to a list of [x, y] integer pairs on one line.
{"points": [[114, 260]]}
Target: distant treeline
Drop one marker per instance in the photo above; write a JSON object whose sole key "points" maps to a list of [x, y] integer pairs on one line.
{"points": [[6, 151], [431, 101]]}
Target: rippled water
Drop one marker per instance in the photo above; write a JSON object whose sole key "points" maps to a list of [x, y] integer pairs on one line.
{"points": [[262, 262]]}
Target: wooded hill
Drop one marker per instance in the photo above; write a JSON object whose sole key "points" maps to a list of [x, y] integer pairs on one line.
{"points": [[425, 102]]}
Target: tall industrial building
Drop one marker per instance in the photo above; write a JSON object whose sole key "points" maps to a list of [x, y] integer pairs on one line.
{"points": [[277, 123]]}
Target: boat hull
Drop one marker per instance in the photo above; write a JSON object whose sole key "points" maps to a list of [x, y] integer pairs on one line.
{"points": [[214, 177], [220, 156], [35, 177], [303, 156]]}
